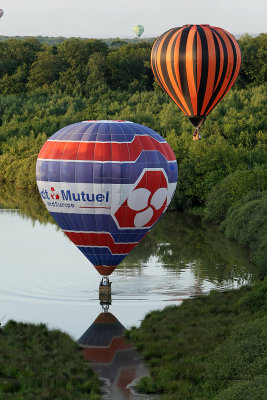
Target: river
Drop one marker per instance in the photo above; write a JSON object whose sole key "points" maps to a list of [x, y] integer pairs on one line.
{"points": [[44, 278]]}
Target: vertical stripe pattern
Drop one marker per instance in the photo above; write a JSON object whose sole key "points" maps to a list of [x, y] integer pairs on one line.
{"points": [[196, 65]]}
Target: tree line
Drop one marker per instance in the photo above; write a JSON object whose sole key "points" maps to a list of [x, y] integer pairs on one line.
{"points": [[73, 67], [78, 67], [44, 88], [234, 136]]}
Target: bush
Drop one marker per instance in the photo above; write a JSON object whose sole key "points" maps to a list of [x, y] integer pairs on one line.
{"points": [[37, 363], [246, 222], [254, 389], [231, 189], [239, 362], [211, 347]]}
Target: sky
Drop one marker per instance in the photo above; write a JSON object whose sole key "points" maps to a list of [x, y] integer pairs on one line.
{"points": [[116, 18]]}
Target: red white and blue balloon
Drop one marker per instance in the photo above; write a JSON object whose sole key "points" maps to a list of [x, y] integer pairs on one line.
{"points": [[106, 183]]}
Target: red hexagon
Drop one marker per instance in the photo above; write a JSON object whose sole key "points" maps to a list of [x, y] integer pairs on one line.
{"points": [[145, 203]]}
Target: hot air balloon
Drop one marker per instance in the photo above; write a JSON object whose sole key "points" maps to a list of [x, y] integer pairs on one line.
{"points": [[196, 65], [106, 183], [1, 12], [138, 30]]}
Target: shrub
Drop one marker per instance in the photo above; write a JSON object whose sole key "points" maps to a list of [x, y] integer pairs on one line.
{"points": [[37, 363], [246, 222], [231, 189]]}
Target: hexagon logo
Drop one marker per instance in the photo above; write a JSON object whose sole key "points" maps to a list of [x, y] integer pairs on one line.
{"points": [[146, 201]]}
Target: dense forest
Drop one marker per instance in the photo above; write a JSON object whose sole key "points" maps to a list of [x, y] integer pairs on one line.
{"points": [[47, 86]]}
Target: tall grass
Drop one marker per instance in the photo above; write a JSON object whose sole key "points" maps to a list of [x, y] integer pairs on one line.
{"points": [[38, 364]]}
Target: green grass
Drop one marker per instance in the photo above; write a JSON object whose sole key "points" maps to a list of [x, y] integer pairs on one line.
{"points": [[209, 348], [41, 364]]}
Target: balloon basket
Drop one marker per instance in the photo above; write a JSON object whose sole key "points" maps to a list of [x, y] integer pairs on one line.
{"points": [[196, 135], [105, 297], [104, 291]]}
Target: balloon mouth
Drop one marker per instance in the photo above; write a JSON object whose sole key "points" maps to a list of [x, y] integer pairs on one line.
{"points": [[104, 269], [197, 121], [108, 121], [106, 318], [196, 25]]}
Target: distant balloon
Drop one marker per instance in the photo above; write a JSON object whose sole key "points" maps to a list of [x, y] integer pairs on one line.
{"points": [[106, 183], [196, 65], [138, 30], [1, 12]]}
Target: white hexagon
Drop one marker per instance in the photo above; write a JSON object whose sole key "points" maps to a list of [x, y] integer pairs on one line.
{"points": [[142, 218], [138, 199], [159, 198]]}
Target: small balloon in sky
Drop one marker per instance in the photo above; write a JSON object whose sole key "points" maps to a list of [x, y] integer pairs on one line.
{"points": [[106, 184], [138, 30], [1, 12]]}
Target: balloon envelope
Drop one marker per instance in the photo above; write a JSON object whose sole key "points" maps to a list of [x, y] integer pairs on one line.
{"points": [[106, 183], [138, 30], [196, 65]]}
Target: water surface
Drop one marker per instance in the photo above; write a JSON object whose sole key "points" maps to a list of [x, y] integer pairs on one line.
{"points": [[45, 278]]}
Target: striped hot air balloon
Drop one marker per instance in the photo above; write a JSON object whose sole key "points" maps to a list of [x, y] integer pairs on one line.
{"points": [[196, 65], [106, 183]]}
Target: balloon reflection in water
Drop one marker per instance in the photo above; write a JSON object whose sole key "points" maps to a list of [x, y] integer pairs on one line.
{"points": [[111, 355]]}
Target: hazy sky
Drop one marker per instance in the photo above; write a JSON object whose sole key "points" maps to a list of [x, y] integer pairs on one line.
{"points": [[115, 18]]}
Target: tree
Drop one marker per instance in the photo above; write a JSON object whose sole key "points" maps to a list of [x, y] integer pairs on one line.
{"points": [[15, 83], [76, 52], [254, 54], [46, 69], [96, 69], [15, 53], [129, 64]]}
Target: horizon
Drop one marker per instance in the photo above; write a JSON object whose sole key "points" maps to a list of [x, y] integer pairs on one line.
{"points": [[143, 38], [106, 19]]}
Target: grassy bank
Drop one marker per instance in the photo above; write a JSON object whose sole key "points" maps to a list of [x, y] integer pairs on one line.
{"points": [[38, 364], [246, 222], [213, 347], [238, 205]]}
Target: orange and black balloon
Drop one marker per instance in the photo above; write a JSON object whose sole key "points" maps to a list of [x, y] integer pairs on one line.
{"points": [[196, 65]]}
